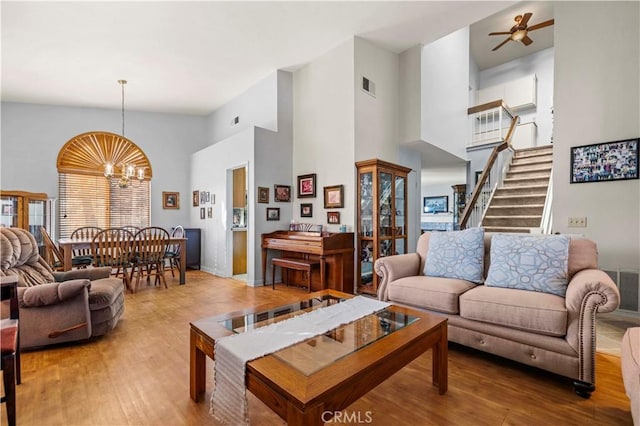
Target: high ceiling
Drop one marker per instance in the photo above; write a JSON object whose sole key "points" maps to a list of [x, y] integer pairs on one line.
{"points": [[481, 43], [193, 57]]}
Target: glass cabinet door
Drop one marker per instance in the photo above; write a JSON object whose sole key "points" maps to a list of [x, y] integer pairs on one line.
{"points": [[366, 204], [9, 212], [37, 218], [385, 221]]}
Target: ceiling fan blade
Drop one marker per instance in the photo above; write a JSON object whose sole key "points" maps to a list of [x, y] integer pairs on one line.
{"points": [[525, 19], [541, 25], [500, 33], [526, 40], [501, 44]]}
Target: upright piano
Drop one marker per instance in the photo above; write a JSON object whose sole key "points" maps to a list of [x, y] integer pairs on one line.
{"points": [[334, 251]]}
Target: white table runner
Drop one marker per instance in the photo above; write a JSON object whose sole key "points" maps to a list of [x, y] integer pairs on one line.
{"points": [[229, 401]]}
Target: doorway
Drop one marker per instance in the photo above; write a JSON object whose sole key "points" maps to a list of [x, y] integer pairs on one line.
{"points": [[239, 223]]}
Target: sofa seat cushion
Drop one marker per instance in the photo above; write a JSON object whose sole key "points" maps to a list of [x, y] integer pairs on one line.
{"points": [[541, 313], [630, 363], [433, 293]]}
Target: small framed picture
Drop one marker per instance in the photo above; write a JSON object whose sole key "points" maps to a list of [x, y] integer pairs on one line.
{"points": [[334, 197], [170, 200], [201, 212], [7, 209], [196, 198], [263, 194], [210, 212], [273, 213], [282, 193], [307, 186], [306, 210], [333, 218]]}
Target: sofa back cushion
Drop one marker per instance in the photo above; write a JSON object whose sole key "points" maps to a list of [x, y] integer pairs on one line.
{"points": [[19, 256], [530, 262], [456, 254]]}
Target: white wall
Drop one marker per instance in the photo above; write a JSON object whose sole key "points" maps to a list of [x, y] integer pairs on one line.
{"points": [[597, 82], [258, 106], [209, 172], [540, 64], [32, 136], [324, 130], [445, 92], [409, 102], [376, 118]]}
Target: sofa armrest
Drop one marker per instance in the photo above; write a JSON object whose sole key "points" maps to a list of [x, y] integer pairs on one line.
{"points": [[589, 291], [51, 293], [90, 274], [391, 268]]}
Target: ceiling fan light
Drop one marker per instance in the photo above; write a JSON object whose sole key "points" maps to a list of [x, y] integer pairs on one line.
{"points": [[519, 35]]}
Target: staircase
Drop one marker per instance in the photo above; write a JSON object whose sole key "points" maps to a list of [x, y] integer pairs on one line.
{"points": [[518, 205]]}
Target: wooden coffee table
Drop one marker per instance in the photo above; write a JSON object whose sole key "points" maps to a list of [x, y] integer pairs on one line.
{"points": [[308, 382]]}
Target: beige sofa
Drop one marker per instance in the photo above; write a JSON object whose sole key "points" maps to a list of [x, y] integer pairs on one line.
{"points": [[57, 307], [543, 330]]}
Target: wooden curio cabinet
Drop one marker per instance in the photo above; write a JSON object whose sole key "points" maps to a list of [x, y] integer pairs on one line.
{"points": [[459, 203], [382, 217], [26, 210]]}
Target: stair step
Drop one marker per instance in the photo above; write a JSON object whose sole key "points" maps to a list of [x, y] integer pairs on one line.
{"points": [[507, 229], [512, 182], [515, 210], [541, 163], [509, 200], [533, 152], [531, 221], [528, 174], [523, 190]]}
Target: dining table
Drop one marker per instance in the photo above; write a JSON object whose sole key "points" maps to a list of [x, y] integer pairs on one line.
{"points": [[67, 245]]}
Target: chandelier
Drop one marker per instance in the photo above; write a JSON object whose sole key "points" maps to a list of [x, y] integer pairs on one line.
{"points": [[127, 171]]}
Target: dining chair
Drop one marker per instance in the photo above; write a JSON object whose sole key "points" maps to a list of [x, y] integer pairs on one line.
{"points": [[151, 246], [53, 254], [10, 347], [131, 228], [82, 257], [114, 247], [173, 250]]}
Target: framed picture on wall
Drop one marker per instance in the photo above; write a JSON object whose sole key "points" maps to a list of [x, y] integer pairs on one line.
{"points": [[334, 197], [170, 200], [263, 194], [196, 198], [333, 218], [306, 210], [307, 186], [603, 162], [202, 212], [282, 193], [273, 213]]}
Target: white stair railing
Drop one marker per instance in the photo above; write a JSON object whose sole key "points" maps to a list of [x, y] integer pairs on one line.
{"points": [[546, 223]]}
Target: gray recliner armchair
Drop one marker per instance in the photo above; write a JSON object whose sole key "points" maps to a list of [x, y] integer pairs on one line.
{"points": [[58, 307]]}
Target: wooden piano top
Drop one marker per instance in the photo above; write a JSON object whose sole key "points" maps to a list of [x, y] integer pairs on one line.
{"points": [[308, 242]]}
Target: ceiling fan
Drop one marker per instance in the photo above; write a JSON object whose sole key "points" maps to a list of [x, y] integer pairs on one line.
{"points": [[519, 32]]}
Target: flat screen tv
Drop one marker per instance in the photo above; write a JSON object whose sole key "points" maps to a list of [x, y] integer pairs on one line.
{"points": [[606, 161], [435, 204]]}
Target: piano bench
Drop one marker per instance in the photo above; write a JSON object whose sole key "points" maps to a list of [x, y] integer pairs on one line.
{"points": [[286, 263]]}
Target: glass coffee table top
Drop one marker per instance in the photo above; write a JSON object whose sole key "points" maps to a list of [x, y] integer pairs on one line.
{"points": [[318, 352]]}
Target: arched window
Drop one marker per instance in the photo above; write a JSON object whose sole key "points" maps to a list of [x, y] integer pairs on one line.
{"points": [[87, 197]]}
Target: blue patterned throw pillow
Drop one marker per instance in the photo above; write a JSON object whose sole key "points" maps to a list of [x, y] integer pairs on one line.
{"points": [[456, 254], [530, 262]]}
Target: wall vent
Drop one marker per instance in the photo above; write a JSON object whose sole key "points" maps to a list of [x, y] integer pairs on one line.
{"points": [[368, 86], [628, 283]]}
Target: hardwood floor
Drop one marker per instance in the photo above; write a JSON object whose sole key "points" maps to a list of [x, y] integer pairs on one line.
{"points": [[139, 375]]}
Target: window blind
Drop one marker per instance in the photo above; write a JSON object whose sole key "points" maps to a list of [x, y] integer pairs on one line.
{"points": [[86, 200]]}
